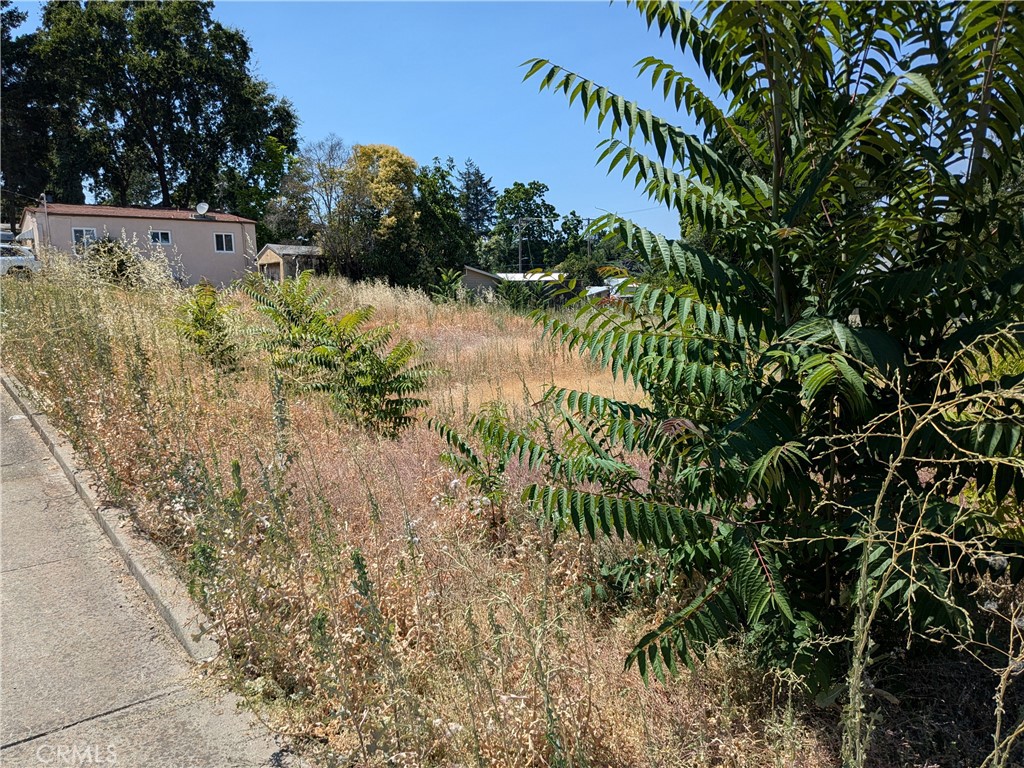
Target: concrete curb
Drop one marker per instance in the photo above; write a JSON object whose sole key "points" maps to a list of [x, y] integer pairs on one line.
{"points": [[146, 562]]}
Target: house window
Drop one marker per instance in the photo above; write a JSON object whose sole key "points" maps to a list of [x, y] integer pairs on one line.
{"points": [[225, 243], [159, 237], [83, 235]]}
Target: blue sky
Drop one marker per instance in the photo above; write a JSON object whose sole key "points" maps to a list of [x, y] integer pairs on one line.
{"points": [[440, 79]]}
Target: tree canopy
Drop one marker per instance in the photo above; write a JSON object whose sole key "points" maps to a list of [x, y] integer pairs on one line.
{"points": [[147, 103], [377, 213], [445, 237], [522, 214], [477, 198]]}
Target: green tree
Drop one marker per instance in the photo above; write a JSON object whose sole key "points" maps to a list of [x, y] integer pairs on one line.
{"points": [[372, 378], [585, 251], [18, 130], [522, 215], [32, 126], [444, 238], [477, 197], [375, 215], [154, 91], [819, 394], [310, 193], [374, 212], [250, 191]]}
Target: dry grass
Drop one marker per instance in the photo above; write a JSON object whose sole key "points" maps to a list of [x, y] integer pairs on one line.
{"points": [[485, 353], [368, 602]]}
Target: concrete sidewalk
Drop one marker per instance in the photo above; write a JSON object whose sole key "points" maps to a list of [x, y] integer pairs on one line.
{"points": [[89, 672]]}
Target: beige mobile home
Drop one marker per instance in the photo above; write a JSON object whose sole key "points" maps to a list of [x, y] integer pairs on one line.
{"points": [[211, 246]]}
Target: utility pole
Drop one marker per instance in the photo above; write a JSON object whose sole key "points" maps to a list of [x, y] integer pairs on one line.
{"points": [[590, 236], [43, 198], [520, 226]]}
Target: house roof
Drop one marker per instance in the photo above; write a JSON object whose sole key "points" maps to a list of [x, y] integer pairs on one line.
{"points": [[292, 250], [531, 277], [519, 277], [113, 211], [482, 272]]}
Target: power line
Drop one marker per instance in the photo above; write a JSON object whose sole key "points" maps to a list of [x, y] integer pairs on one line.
{"points": [[5, 191], [623, 213]]}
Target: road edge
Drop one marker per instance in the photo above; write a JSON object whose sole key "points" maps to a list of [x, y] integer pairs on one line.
{"points": [[143, 558]]}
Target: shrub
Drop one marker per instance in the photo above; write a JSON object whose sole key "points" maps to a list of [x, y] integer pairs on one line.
{"points": [[815, 404], [370, 378], [113, 261], [448, 289], [202, 321]]}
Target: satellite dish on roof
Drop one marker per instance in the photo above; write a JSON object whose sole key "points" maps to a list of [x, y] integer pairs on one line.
{"points": [[202, 208]]}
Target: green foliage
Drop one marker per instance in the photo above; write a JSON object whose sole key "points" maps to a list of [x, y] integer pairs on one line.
{"points": [[590, 252], [25, 138], [202, 321], [477, 197], [377, 215], [444, 241], [523, 214], [249, 191], [374, 212], [484, 468], [448, 289], [810, 361], [370, 378], [151, 101], [521, 297]]}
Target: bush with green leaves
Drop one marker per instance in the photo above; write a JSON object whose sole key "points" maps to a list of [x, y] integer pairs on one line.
{"points": [[370, 378], [816, 400], [202, 321], [449, 288]]}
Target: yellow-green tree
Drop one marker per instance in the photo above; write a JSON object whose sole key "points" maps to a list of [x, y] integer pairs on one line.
{"points": [[373, 226]]}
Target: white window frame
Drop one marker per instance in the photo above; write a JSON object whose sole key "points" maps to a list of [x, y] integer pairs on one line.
{"points": [[156, 237], [79, 236], [225, 242]]}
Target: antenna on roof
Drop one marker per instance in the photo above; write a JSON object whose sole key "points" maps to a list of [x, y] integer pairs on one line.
{"points": [[202, 208]]}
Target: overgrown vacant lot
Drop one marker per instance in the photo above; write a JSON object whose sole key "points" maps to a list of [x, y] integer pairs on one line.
{"points": [[367, 600]]}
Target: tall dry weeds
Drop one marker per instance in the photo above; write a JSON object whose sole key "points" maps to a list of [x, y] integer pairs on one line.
{"points": [[367, 600]]}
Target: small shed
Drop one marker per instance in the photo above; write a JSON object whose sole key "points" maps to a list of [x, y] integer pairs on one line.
{"points": [[276, 261], [480, 281]]}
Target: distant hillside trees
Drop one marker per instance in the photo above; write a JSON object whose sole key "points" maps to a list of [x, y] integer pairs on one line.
{"points": [[142, 103]]}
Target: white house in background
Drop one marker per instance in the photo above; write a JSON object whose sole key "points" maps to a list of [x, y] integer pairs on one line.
{"points": [[481, 281], [210, 246]]}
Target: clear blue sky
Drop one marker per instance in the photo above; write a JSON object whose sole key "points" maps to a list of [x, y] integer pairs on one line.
{"points": [[440, 79]]}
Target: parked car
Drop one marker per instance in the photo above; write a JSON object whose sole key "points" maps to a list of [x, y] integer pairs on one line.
{"points": [[18, 261]]}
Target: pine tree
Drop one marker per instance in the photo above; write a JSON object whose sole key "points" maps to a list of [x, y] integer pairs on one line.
{"points": [[477, 197]]}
